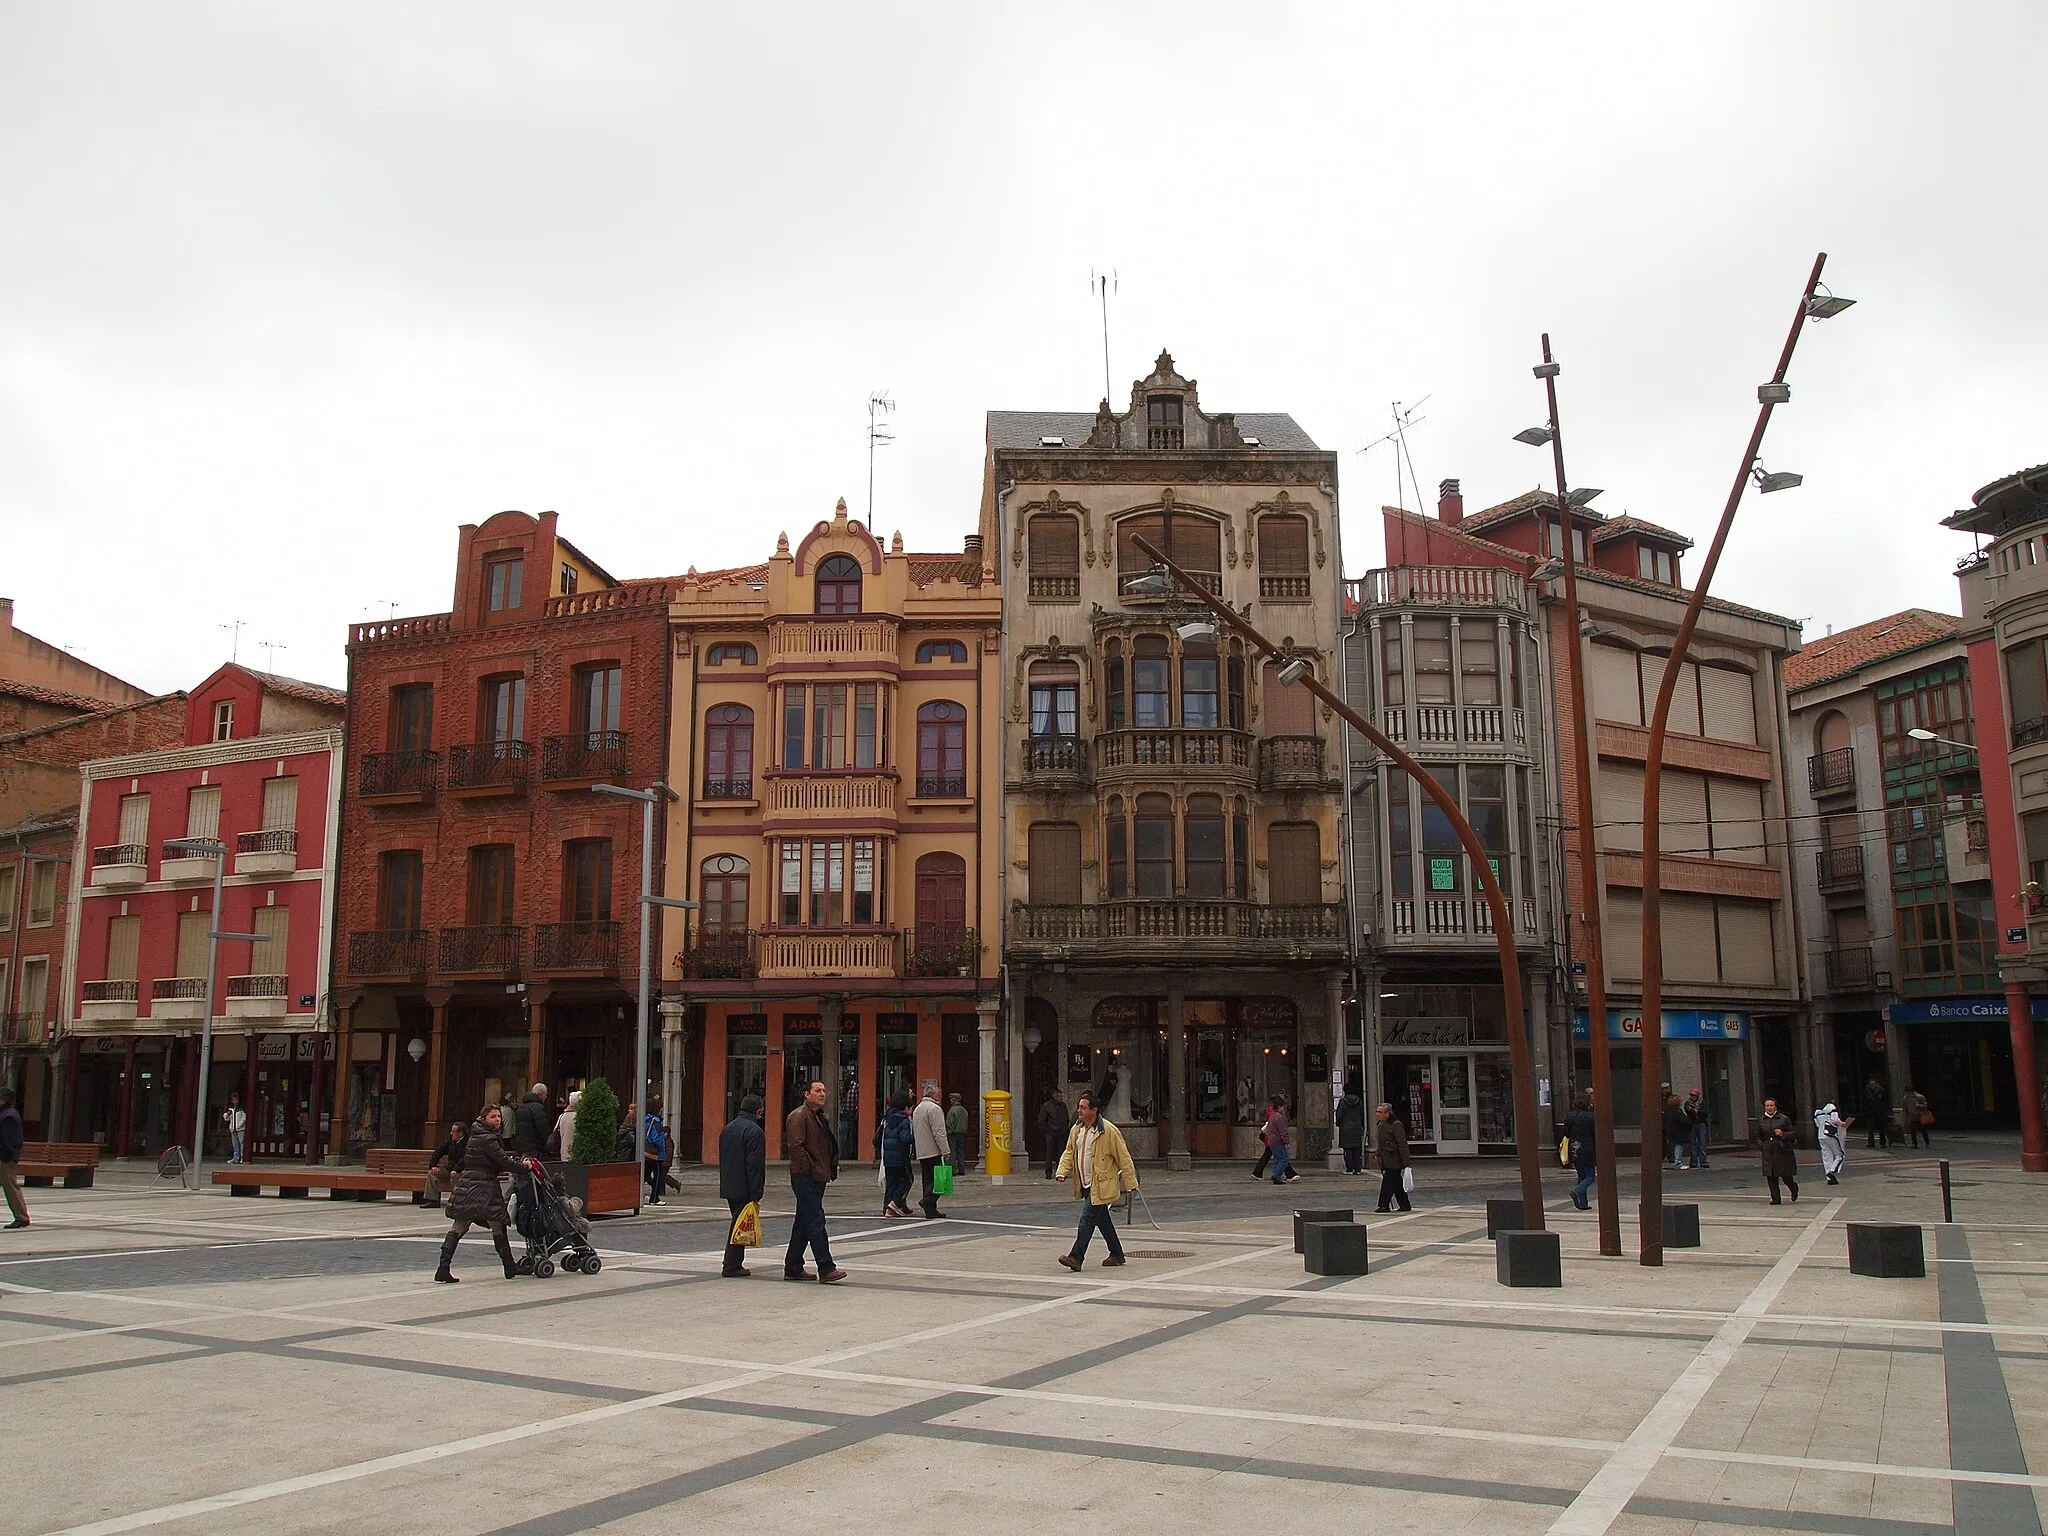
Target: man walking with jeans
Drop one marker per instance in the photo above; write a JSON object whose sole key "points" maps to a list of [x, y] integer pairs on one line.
{"points": [[1696, 1127], [10, 1158], [813, 1153], [1102, 1168]]}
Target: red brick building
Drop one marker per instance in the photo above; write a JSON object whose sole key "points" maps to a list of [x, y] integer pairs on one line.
{"points": [[488, 932], [255, 769]]}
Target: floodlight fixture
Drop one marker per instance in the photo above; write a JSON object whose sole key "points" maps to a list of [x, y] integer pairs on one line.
{"points": [[1549, 570], [1921, 733], [1824, 305], [1779, 480], [1773, 394], [1535, 437], [1583, 494], [1294, 671], [1157, 582], [1547, 370], [1198, 631]]}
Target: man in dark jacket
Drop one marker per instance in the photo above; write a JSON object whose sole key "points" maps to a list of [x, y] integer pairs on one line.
{"points": [[10, 1159], [813, 1153], [1780, 1154], [1052, 1125], [1390, 1149], [532, 1122], [742, 1173], [1877, 1113], [1578, 1130], [445, 1165], [1351, 1126]]}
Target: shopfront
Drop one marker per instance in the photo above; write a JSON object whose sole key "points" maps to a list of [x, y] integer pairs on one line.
{"points": [[1703, 1049], [1958, 1051], [1445, 1068]]}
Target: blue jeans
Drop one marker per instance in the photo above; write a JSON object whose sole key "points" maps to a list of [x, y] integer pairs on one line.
{"points": [[1280, 1164], [1092, 1217], [234, 1146], [896, 1185], [808, 1227], [1579, 1189], [1699, 1144]]}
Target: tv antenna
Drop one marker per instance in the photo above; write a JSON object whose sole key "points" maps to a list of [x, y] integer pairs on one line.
{"points": [[1404, 416], [235, 646], [880, 435], [270, 648], [1102, 285]]}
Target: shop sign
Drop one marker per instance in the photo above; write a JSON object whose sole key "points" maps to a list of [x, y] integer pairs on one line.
{"points": [[274, 1048], [307, 1045], [1266, 1013], [1123, 1013], [1424, 1034], [1679, 1024], [1960, 1010]]}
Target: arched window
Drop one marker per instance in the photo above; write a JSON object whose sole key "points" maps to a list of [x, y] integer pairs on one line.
{"points": [[942, 650], [1197, 547], [941, 905], [1203, 839], [738, 652], [722, 888], [1055, 557], [729, 752], [1155, 848], [942, 751], [839, 585]]}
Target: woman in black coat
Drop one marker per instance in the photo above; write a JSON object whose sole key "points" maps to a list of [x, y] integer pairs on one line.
{"points": [[1578, 1127], [1780, 1155], [479, 1199]]}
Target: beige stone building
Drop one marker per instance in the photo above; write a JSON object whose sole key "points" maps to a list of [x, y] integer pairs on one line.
{"points": [[1171, 876]]}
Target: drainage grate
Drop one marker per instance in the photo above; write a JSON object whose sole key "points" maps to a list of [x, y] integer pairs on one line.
{"points": [[1159, 1253]]}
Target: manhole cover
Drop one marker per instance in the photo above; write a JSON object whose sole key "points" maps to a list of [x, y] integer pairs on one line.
{"points": [[1159, 1253]]}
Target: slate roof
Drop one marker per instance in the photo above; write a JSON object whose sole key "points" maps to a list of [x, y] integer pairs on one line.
{"points": [[1849, 650], [1023, 429]]}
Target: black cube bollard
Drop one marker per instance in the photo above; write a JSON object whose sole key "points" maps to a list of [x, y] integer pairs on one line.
{"points": [[1317, 1213], [1503, 1216], [1333, 1248], [1528, 1259], [1681, 1226], [1886, 1250]]}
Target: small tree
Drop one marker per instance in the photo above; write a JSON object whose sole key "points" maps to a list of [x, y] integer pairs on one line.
{"points": [[597, 1123]]}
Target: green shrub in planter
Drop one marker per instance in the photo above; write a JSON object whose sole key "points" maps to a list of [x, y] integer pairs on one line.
{"points": [[597, 1123]]}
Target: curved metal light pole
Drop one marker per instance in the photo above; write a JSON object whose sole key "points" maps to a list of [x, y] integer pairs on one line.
{"points": [[1650, 1215], [1606, 1190], [1503, 924]]}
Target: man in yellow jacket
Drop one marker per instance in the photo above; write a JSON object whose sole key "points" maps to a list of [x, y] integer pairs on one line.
{"points": [[1102, 1169]]}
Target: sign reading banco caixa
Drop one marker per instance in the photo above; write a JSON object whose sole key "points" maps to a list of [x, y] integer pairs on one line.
{"points": [[1424, 1034], [1679, 1024], [1955, 1010]]}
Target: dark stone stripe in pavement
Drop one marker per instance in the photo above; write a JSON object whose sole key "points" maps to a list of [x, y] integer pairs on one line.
{"points": [[1982, 1436]]}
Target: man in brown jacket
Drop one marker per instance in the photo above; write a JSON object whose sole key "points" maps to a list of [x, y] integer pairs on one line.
{"points": [[1390, 1150], [813, 1153]]}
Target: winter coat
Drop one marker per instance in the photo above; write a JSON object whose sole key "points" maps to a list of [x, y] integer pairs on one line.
{"points": [[958, 1122], [1351, 1120], [1390, 1143], [1916, 1107], [1676, 1132], [531, 1123], [656, 1137], [1053, 1121], [810, 1145], [1695, 1111], [1877, 1106], [1578, 1126], [565, 1133], [10, 1135], [1780, 1157], [449, 1154], [1274, 1133], [898, 1140], [1111, 1170], [742, 1160], [478, 1199], [928, 1123]]}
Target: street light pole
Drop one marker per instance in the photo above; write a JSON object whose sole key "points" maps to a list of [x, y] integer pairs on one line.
{"points": [[217, 850], [1503, 922], [1650, 1214], [1590, 880], [649, 798]]}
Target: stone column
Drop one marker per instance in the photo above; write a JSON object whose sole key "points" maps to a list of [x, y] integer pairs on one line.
{"points": [[670, 1011], [1178, 1158], [831, 1013], [344, 1071], [537, 1045], [2019, 1012], [1338, 1049], [127, 1100], [437, 1069], [987, 1010]]}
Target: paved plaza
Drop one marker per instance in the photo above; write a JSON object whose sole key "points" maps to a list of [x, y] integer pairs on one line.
{"points": [[198, 1363]]}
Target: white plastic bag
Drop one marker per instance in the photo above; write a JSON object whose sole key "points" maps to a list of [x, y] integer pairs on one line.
{"points": [[881, 1175], [1408, 1180]]}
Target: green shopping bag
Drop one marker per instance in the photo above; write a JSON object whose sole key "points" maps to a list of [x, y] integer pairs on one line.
{"points": [[942, 1178]]}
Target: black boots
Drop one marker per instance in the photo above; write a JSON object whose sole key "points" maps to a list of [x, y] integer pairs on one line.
{"points": [[447, 1257], [504, 1247]]}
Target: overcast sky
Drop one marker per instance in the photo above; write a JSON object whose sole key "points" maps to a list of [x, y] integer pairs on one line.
{"points": [[290, 291]]}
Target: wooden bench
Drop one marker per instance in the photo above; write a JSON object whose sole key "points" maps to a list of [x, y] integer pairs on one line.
{"points": [[406, 1167], [398, 1169], [44, 1162]]}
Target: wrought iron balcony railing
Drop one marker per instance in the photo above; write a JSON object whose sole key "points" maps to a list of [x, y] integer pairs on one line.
{"points": [[729, 789], [120, 853], [584, 755], [944, 950], [1830, 773], [720, 957], [257, 986], [942, 786], [1181, 923], [279, 840], [178, 989], [388, 952], [483, 948], [111, 991], [591, 946], [1848, 970], [1839, 869], [399, 773], [487, 764]]}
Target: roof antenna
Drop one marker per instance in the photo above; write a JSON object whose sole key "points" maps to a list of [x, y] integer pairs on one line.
{"points": [[879, 436], [1102, 286], [270, 648], [235, 629], [1404, 418]]}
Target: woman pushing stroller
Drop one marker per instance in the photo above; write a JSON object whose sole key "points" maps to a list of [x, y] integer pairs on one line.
{"points": [[479, 1198]]}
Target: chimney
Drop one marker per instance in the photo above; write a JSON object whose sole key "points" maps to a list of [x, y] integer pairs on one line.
{"points": [[1450, 503], [972, 547]]}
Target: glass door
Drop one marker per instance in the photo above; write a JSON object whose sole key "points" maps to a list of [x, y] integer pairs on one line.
{"points": [[1457, 1133], [1411, 1090]]}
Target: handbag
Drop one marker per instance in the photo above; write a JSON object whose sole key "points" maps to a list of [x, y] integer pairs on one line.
{"points": [[746, 1227], [942, 1178], [1408, 1180], [1564, 1151]]}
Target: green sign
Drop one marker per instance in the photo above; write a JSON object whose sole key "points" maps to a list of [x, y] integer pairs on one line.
{"points": [[1443, 874]]}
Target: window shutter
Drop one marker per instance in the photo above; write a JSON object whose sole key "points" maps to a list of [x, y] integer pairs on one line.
{"points": [[1288, 711], [124, 941], [1685, 699], [1618, 807], [1689, 938], [202, 812], [1294, 864], [1055, 545], [1729, 704], [135, 818], [280, 804], [1055, 872], [1747, 943], [193, 928], [1612, 685], [267, 957], [1683, 813], [1621, 934], [1283, 545], [1738, 811]]}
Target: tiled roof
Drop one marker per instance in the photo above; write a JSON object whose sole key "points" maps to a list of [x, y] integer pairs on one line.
{"points": [[35, 693], [298, 688], [746, 573], [1627, 523], [1023, 429], [926, 569], [1508, 511], [1849, 650], [103, 712]]}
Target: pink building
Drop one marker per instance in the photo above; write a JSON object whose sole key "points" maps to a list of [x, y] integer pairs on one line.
{"points": [[259, 773]]}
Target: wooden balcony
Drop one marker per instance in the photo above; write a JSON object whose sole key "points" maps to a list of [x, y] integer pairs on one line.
{"points": [[582, 949], [388, 952], [398, 778], [829, 795], [489, 768], [1218, 755], [1055, 762], [1192, 932], [798, 640], [826, 952], [1293, 762]]}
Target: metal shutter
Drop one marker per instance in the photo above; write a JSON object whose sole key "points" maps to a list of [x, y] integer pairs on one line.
{"points": [[124, 940], [268, 956], [1611, 685], [1690, 948], [1294, 864], [202, 813], [1683, 813], [1618, 807], [1685, 700], [1728, 702], [1748, 952], [1738, 812], [1621, 935], [280, 804], [1055, 872], [1283, 545], [135, 818], [193, 928]]}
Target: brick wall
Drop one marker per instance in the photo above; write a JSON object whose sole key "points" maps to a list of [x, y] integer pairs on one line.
{"points": [[39, 768]]}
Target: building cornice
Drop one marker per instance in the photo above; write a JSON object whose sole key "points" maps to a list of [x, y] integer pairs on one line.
{"points": [[1253, 468], [207, 755]]}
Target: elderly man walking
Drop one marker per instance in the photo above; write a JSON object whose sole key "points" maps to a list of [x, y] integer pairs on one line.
{"points": [[1390, 1151], [742, 1174], [928, 1132], [813, 1152], [1102, 1170]]}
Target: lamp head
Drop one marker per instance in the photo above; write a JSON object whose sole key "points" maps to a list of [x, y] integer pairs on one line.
{"points": [[1825, 305], [1779, 480], [1583, 495], [1294, 671], [1197, 631], [1549, 570], [1547, 370], [1921, 733], [1157, 582], [1773, 394], [1535, 437]]}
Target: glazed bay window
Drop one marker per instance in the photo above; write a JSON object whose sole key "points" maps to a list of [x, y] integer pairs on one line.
{"points": [[1115, 705], [1118, 838], [1204, 845], [830, 883], [1198, 680], [793, 701], [1432, 640], [1401, 833], [1393, 684], [1479, 662], [790, 907], [1151, 688], [1486, 807], [1154, 838]]}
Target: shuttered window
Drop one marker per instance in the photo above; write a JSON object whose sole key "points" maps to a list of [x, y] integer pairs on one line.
{"points": [[1618, 811], [1691, 947], [1283, 545], [124, 942], [1621, 935], [1055, 872], [1683, 813], [1615, 692], [1728, 704], [35, 987], [280, 804], [1685, 701], [202, 813], [7, 896], [1737, 809], [193, 928], [1747, 943], [135, 818], [1055, 545], [268, 955], [1294, 864], [1290, 711]]}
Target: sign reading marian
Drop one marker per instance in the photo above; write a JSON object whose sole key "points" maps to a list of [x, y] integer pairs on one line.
{"points": [[1410, 1034], [1679, 1024]]}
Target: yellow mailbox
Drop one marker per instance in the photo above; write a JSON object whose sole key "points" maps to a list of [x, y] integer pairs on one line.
{"points": [[996, 1113]]}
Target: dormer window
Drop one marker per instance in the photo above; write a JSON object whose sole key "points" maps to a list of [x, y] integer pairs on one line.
{"points": [[568, 581], [1163, 421], [502, 580], [839, 585], [1553, 542], [1657, 565], [224, 720]]}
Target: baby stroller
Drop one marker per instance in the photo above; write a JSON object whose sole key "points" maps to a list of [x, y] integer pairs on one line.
{"points": [[551, 1224]]}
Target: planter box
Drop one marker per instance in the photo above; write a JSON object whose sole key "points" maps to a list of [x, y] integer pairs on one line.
{"points": [[606, 1189]]}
